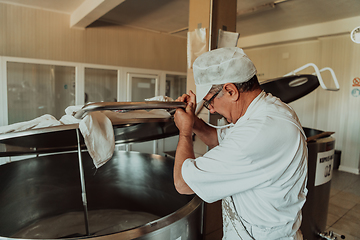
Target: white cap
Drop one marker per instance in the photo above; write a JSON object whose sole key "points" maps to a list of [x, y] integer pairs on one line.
{"points": [[220, 66]]}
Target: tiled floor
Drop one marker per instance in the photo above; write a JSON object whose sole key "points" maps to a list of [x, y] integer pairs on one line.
{"points": [[344, 206]]}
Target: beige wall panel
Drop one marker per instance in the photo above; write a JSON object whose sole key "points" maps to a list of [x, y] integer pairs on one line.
{"points": [[199, 12], [34, 33], [224, 18], [354, 108], [342, 109], [330, 112], [3, 24], [129, 47], [324, 110], [199, 16], [276, 61]]}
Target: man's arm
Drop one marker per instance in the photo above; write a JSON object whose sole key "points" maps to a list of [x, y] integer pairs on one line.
{"points": [[184, 151], [206, 133], [184, 120], [187, 123]]}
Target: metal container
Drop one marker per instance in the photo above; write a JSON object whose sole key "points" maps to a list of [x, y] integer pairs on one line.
{"points": [[40, 188], [320, 167], [63, 196]]}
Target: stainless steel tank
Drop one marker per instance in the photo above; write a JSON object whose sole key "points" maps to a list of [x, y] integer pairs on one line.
{"points": [[64, 196], [320, 167], [42, 188]]}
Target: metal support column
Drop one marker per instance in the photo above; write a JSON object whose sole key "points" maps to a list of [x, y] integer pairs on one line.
{"points": [[83, 190]]}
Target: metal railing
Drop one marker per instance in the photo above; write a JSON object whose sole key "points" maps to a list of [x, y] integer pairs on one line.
{"points": [[318, 74]]}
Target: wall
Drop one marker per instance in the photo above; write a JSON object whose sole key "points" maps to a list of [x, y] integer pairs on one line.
{"points": [[324, 110], [39, 34], [34, 33]]}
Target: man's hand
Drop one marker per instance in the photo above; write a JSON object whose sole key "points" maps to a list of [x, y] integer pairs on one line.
{"points": [[184, 119], [187, 97]]}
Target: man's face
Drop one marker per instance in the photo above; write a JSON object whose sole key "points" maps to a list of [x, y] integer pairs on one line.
{"points": [[219, 105]]}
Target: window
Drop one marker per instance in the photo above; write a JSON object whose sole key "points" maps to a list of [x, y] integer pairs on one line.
{"points": [[37, 89], [100, 85]]}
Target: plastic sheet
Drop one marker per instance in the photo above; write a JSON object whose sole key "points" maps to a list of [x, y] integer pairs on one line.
{"points": [[196, 45]]}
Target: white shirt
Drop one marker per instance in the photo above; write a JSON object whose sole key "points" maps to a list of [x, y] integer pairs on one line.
{"points": [[259, 169]]}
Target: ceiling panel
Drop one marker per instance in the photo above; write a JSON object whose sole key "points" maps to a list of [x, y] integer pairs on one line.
{"points": [[170, 16], [158, 15], [65, 6], [295, 13]]}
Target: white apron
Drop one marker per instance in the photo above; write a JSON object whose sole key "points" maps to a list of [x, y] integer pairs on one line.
{"points": [[235, 227]]}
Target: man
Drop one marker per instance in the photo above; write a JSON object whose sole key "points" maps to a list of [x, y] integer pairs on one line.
{"points": [[257, 165]]}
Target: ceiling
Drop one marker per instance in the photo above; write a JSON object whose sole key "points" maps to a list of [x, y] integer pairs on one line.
{"points": [[171, 16]]}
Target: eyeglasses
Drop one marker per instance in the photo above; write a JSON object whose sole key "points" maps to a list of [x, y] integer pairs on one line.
{"points": [[207, 103]]}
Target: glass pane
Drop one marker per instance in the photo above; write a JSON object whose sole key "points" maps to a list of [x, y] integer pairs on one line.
{"points": [[143, 147], [175, 86], [142, 88], [38, 89], [100, 85]]}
